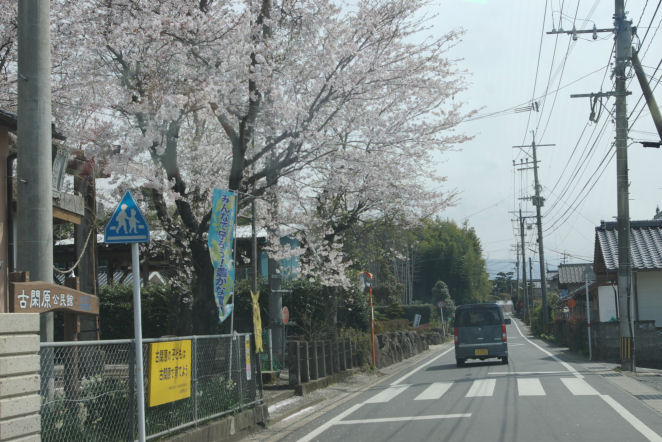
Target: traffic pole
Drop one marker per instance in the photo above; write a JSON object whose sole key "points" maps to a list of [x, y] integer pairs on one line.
{"points": [[138, 335]]}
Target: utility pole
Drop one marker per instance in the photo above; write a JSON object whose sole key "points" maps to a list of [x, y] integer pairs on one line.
{"points": [[539, 201], [623, 53], [531, 279], [34, 168], [623, 43], [521, 230]]}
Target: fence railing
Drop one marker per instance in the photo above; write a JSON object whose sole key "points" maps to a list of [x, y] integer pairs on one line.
{"points": [[88, 388]]}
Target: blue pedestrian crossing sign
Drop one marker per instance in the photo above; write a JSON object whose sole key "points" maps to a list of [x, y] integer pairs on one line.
{"points": [[127, 225]]}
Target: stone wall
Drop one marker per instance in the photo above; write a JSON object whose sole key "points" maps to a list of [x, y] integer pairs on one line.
{"points": [[396, 346], [19, 377], [648, 343]]}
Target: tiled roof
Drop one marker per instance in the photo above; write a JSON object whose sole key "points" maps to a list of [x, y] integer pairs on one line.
{"points": [[573, 273], [645, 245]]}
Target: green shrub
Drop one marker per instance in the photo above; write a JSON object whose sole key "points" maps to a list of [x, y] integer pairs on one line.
{"points": [[164, 311]]}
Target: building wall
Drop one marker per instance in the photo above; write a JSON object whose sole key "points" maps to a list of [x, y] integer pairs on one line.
{"points": [[19, 377], [607, 303], [649, 296]]}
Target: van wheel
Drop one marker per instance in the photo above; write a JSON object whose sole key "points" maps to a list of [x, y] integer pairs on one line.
{"points": [[459, 363], [504, 360]]}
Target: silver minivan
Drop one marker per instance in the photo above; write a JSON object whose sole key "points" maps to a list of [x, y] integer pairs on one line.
{"points": [[480, 333]]}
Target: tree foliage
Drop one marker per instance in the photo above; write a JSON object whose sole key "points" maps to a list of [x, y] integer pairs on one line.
{"points": [[452, 254], [502, 286], [327, 112]]}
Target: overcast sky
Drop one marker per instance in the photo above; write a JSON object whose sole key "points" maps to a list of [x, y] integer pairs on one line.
{"points": [[504, 47]]}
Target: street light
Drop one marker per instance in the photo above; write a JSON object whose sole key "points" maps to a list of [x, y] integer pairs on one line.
{"points": [[367, 283]]}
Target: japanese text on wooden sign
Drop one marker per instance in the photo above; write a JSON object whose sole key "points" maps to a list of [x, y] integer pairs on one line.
{"points": [[169, 371], [40, 297]]}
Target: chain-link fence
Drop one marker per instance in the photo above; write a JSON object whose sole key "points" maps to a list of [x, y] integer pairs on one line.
{"points": [[88, 388]]}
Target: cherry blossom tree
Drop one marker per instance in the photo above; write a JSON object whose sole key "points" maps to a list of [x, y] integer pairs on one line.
{"points": [[328, 110]]}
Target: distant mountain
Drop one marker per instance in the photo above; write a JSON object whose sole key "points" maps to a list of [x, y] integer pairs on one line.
{"points": [[495, 266]]}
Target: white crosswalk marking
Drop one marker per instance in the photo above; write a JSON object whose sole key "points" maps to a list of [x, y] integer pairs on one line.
{"points": [[530, 387], [434, 391], [579, 387], [388, 394], [482, 388]]}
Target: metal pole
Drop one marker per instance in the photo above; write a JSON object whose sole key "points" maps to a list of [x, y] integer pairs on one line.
{"points": [[588, 318], [195, 379], [443, 326], [623, 53], [372, 326], [137, 330], [34, 241]]}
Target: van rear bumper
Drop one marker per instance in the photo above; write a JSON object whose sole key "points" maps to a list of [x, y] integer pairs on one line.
{"points": [[477, 351]]}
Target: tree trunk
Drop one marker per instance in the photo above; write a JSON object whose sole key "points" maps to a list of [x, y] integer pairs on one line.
{"points": [[331, 317], [205, 312]]}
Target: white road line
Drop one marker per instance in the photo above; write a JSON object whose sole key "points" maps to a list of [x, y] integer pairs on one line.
{"points": [[579, 387], [524, 373], [553, 356], [482, 388], [434, 391], [530, 387], [421, 366], [298, 414], [404, 419], [388, 394], [328, 424], [632, 420]]}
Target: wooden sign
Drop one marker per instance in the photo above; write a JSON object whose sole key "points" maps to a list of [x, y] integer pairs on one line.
{"points": [[40, 297]]}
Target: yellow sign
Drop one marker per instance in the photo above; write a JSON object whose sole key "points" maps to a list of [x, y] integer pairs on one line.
{"points": [[257, 322], [169, 371]]}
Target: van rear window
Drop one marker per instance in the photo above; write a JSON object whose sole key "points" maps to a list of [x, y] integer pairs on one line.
{"points": [[477, 317]]}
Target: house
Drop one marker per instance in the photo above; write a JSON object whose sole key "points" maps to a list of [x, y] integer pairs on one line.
{"points": [[646, 259], [573, 280]]}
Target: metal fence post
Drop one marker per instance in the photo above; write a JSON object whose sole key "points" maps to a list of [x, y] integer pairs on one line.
{"points": [[194, 356], [240, 375]]}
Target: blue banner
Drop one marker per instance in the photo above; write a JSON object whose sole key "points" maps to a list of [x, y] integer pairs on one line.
{"points": [[221, 243]]}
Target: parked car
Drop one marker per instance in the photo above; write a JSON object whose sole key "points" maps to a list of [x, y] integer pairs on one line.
{"points": [[480, 333]]}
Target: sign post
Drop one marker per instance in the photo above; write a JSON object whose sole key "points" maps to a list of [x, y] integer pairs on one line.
{"points": [[441, 313], [127, 225]]}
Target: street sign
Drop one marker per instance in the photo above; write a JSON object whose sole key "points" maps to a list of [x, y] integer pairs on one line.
{"points": [[127, 225]]}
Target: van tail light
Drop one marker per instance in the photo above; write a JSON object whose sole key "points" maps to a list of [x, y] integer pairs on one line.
{"points": [[455, 334], [503, 333]]}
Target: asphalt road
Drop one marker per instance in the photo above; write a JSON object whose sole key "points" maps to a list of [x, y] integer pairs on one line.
{"points": [[536, 397]]}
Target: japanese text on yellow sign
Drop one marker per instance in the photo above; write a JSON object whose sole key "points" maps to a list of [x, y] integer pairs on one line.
{"points": [[169, 371]]}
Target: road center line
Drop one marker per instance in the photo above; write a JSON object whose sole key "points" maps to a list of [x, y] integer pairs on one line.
{"points": [[403, 419], [553, 356]]}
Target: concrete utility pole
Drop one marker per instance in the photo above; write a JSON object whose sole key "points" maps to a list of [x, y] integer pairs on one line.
{"points": [[623, 43], [34, 168], [538, 201], [623, 54], [526, 296]]}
